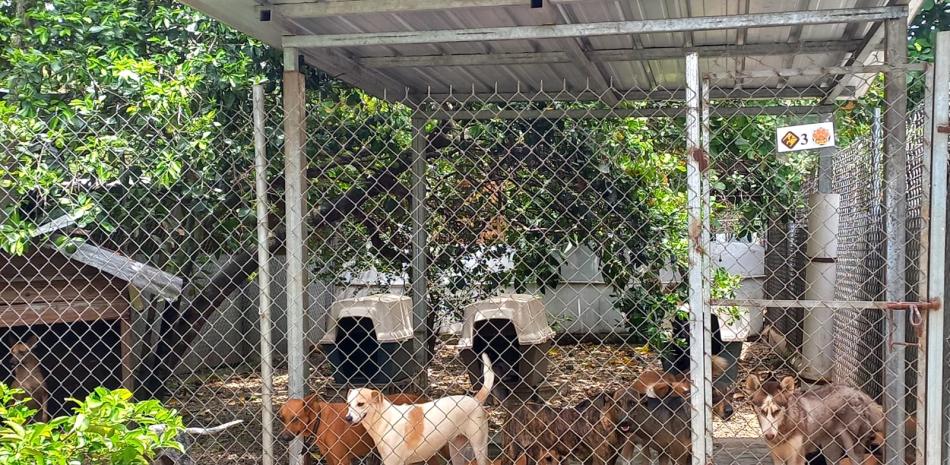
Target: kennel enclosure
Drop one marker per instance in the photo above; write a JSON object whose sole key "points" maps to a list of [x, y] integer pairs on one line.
{"points": [[470, 63]]}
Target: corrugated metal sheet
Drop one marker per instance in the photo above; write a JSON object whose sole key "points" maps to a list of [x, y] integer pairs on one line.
{"points": [[622, 76]]}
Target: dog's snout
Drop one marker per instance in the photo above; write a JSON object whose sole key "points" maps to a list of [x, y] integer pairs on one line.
{"points": [[769, 436], [349, 418], [286, 436], [728, 411]]}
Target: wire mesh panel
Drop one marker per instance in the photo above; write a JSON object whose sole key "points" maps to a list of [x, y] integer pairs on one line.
{"points": [[824, 337], [126, 255], [414, 239]]}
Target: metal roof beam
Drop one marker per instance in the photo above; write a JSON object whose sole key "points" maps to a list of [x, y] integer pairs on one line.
{"points": [[871, 42], [335, 63], [557, 31], [357, 7], [561, 94], [463, 115], [578, 52], [656, 53]]}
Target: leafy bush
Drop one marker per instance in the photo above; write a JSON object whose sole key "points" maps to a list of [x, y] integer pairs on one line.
{"points": [[106, 428]]}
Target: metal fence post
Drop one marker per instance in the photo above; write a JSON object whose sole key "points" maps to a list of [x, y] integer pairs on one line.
{"points": [[696, 164], [895, 198], [263, 277], [939, 121], [296, 196], [706, 212], [420, 307]]}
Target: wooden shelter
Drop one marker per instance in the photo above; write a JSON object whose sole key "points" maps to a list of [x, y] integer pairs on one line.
{"points": [[77, 302]]}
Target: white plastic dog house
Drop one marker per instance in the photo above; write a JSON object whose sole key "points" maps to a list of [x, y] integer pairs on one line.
{"points": [[513, 330], [369, 339]]}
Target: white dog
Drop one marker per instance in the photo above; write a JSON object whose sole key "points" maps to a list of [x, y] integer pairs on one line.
{"points": [[406, 434]]}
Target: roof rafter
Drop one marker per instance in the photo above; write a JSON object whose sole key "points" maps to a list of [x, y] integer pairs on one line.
{"points": [[655, 53], [355, 7], [871, 42], [558, 31]]}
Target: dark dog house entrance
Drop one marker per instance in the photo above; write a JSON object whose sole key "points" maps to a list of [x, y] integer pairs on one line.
{"points": [[354, 356], [513, 331], [369, 341]]}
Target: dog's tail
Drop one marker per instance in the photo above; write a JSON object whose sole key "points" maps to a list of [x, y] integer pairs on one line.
{"points": [[488, 381]]}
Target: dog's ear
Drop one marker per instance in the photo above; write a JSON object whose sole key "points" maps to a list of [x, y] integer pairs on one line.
{"points": [[659, 390], [788, 384], [681, 388], [719, 366], [312, 406], [752, 383], [522, 459], [376, 397]]}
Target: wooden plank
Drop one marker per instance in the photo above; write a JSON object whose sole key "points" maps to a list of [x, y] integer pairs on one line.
{"points": [[140, 275], [42, 265], [295, 164], [597, 29], [125, 345], [657, 53], [59, 291], [357, 7], [60, 312], [937, 371]]}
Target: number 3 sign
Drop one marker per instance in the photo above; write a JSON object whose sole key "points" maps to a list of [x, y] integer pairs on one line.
{"points": [[805, 137]]}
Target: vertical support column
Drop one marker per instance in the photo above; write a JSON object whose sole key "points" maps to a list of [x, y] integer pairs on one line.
{"points": [[705, 212], [895, 199], [420, 304], [821, 271], [939, 124], [696, 164], [263, 277], [296, 199], [826, 163]]}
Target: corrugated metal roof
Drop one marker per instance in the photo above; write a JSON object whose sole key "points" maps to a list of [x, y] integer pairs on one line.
{"points": [[599, 64]]}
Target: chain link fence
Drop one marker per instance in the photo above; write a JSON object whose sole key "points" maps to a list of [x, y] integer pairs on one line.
{"points": [[553, 233]]}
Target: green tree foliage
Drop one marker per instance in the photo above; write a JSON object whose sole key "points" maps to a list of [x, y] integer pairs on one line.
{"points": [[105, 429], [117, 113]]}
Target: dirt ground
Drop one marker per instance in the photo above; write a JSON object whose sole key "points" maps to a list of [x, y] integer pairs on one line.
{"points": [[575, 372]]}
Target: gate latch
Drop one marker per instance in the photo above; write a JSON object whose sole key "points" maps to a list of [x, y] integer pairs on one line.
{"points": [[916, 318]]}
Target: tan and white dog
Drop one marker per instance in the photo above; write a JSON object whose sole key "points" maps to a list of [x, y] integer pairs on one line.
{"points": [[833, 419], [406, 434]]}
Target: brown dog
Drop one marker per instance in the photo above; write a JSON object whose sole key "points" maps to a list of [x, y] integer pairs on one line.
{"points": [[324, 425], [28, 376], [589, 431], [657, 405]]}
